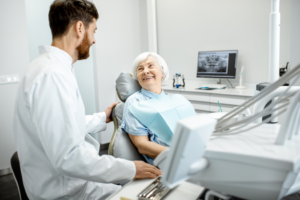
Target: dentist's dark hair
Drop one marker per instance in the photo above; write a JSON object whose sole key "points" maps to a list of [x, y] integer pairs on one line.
{"points": [[64, 13]]}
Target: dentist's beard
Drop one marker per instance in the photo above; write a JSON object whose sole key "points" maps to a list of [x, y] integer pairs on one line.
{"points": [[84, 48]]}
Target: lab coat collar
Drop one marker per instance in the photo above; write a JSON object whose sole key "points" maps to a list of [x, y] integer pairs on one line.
{"points": [[62, 56], [151, 94]]}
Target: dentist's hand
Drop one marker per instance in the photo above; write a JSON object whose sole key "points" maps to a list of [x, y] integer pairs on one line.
{"points": [[145, 170], [108, 112]]}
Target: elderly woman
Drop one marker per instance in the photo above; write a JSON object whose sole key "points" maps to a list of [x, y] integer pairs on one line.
{"points": [[150, 70]]}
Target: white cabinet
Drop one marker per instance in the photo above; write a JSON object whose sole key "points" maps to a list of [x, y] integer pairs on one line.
{"points": [[203, 106], [192, 96], [206, 101], [224, 107], [227, 99]]}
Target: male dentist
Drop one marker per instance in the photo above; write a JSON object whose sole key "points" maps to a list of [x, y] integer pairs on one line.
{"points": [[58, 158]]}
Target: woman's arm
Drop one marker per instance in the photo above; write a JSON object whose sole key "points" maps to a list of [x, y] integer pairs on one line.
{"points": [[145, 146]]}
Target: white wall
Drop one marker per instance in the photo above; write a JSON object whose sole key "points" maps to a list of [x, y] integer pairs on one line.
{"points": [[295, 35], [84, 71], [119, 39], [186, 27], [39, 33], [38, 29], [14, 57]]}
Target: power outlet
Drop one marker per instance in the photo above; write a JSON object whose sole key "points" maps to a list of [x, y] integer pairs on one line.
{"points": [[6, 79]]}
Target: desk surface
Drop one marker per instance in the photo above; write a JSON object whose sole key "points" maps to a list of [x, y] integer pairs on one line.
{"points": [[249, 92], [185, 190]]}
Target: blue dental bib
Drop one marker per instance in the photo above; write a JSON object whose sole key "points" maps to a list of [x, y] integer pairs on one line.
{"points": [[161, 114]]}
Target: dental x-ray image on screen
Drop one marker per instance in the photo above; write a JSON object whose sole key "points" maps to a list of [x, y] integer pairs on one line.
{"points": [[217, 64], [213, 63]]}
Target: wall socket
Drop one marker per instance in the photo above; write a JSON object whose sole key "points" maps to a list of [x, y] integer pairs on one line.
{"points": [[6, 79]]}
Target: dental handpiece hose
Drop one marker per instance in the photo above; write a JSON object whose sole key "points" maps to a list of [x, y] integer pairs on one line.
{"points": [[220, 106]]}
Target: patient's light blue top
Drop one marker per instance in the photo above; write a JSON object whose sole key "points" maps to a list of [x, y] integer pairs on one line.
{"points": [[146, 113], [131, 125]]}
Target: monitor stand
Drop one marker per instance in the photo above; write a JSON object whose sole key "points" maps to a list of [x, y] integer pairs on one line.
{"points": [[220, 82]]}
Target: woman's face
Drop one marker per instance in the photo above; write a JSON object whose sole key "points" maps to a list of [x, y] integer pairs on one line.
{"points": [[150, 75]]}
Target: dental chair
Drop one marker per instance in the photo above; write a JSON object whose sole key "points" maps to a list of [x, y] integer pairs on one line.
{"points": [[120, 145], [16, 171]]}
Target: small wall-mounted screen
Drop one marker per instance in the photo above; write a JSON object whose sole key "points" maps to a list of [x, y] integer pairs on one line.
{"points": [[217, 64]]}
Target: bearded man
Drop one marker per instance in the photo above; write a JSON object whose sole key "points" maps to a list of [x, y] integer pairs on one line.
{"points": [[58, 158]]}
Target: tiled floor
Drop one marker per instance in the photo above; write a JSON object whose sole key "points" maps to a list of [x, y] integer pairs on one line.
{"points": [[9, 190]]}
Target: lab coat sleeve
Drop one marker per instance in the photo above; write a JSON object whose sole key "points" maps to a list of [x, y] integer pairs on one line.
{"points": [[96, 122], [53, 106]]}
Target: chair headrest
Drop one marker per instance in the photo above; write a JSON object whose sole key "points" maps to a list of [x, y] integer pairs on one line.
{"points": [[126, 85]]}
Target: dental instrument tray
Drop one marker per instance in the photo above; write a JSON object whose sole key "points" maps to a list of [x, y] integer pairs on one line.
{"points": [[155, 191]]}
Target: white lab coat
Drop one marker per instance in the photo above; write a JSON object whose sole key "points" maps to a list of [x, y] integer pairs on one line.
{"points": [[58, 159]]}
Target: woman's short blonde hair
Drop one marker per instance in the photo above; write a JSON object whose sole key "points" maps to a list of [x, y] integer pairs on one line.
{"points": [[159, 59]]}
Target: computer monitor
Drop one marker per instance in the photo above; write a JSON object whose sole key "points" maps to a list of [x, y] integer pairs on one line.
{"points": [[217, 64], [188, 145]]}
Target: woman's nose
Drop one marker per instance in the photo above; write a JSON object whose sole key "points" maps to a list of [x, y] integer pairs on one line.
{"points": [[146, 71]]}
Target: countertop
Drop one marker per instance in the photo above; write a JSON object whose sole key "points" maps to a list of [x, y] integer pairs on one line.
{"points": [[248, 92]]}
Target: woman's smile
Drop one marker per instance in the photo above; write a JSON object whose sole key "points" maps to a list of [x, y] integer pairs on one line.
{"points": [[148, 78]]}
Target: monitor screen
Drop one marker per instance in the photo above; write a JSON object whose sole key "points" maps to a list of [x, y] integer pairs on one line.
{"points": [[217, 64]]}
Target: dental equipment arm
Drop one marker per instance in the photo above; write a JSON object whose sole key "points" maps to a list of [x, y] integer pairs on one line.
{"points": [[290, 125], [270, 92]]}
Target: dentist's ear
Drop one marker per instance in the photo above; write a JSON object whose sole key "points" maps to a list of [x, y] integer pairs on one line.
{"points": [[79, 29]]}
